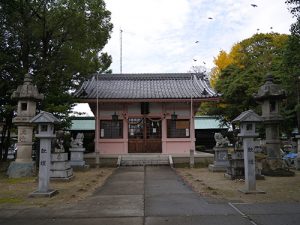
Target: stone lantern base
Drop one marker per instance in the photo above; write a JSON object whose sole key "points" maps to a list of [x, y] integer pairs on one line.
{"points": [[21, 169]]}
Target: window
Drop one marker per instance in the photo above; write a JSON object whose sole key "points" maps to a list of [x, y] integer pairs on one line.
{"points": [[272, 106], [23, 106], [44, 128], [111, 129], [178, 128], [249, 126]]}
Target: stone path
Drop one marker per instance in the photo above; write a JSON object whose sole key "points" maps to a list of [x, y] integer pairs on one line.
{"points": [[153, 196]]}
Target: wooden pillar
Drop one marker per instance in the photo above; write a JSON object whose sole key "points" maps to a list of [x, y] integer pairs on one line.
{"points": [[164, 129], [125, 128]]}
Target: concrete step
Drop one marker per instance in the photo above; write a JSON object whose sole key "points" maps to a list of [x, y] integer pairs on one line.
{"points": [[142, 160]]}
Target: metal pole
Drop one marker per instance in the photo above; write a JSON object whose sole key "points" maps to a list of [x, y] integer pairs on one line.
{"points": [[121, 31], [97, 124], [192, 162]]}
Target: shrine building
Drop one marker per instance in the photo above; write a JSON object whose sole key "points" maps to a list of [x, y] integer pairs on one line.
{"points": [[145, 113]]}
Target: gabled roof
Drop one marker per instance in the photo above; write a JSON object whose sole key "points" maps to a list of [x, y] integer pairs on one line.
{"points": [[248, 116], [44, 117], [146, 86]]}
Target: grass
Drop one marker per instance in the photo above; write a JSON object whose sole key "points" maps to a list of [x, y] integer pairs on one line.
{"points": [[11, 200]]}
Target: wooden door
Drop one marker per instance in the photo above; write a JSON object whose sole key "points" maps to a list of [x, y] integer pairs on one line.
{"points": [[144, 135]]}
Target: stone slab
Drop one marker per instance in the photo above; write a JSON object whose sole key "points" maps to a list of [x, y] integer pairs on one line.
{"points": [[76, 221], [183, 205], [21, 169], [290, 219], [215, 168], [106, 206], [59, 157], [122, 188], [38, 194], [76, 156], [60, 165], [270, 208], [77, 163], [199, 220], [76, 150], [245, 191], [61, 173], [158, 187]]}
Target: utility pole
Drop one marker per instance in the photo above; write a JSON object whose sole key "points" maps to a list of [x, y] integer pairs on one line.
{"points": [[121, 31]]}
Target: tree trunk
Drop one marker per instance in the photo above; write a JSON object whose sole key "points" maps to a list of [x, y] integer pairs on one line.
{"points": [[3, 136]]}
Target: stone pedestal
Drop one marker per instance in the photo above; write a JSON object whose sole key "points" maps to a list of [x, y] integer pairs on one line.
{"points": [[220, 160], [21, 169], [60, 167], [77, 159], [235, 170]]}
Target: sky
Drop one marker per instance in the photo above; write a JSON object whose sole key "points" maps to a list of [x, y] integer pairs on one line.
{"points": [[172, 36]]}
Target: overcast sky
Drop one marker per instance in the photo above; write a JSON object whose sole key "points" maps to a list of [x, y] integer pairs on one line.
{"points": [[159, 35]]}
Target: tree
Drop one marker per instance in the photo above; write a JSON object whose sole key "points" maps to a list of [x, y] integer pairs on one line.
{"points": [[291, 65], [59, 42], [251, 60]]}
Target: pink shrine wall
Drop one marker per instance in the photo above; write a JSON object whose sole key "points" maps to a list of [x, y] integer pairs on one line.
{"points": [[157, 110]]}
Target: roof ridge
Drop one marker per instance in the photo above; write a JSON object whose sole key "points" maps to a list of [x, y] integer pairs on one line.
{"points": [[141, 75]]}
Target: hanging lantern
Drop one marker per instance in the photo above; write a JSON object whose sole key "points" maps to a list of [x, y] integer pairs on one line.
{"points": [[114, 117], [174, 116]]}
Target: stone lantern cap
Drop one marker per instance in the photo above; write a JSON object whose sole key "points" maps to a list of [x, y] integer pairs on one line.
{"points": [[27, 90], [44, 117], [248, 117], [269, 90]]}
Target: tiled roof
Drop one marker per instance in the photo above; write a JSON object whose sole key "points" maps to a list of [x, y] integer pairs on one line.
{"points": [[146, 86]]}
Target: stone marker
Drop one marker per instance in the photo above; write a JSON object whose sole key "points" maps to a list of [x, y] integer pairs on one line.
{"points": [[45, 132], [247, 121], [27, 95], [221, 154]]}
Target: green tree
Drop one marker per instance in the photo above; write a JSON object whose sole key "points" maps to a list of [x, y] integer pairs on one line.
{"points": [[252, 60], [59, 42], [291, 66]]}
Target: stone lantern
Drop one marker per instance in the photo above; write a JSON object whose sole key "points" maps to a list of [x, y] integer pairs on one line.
{"points": [[27, 95], [45, 132], [247, 122], [269, 96]]}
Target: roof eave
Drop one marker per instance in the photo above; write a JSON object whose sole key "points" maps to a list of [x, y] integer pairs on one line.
{"points": [[94, 100]]}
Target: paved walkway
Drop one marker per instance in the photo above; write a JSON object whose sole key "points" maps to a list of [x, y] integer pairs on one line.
{"points": [[153, 196]]}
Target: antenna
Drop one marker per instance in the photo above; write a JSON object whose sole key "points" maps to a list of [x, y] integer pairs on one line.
{"points": [[121, 31]]}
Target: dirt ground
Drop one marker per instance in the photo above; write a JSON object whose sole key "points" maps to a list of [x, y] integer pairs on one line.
{"points": [[213, 184], [14, 192]]}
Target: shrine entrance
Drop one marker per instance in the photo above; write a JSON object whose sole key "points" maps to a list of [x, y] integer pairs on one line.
{"points": [[144, 135]]}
